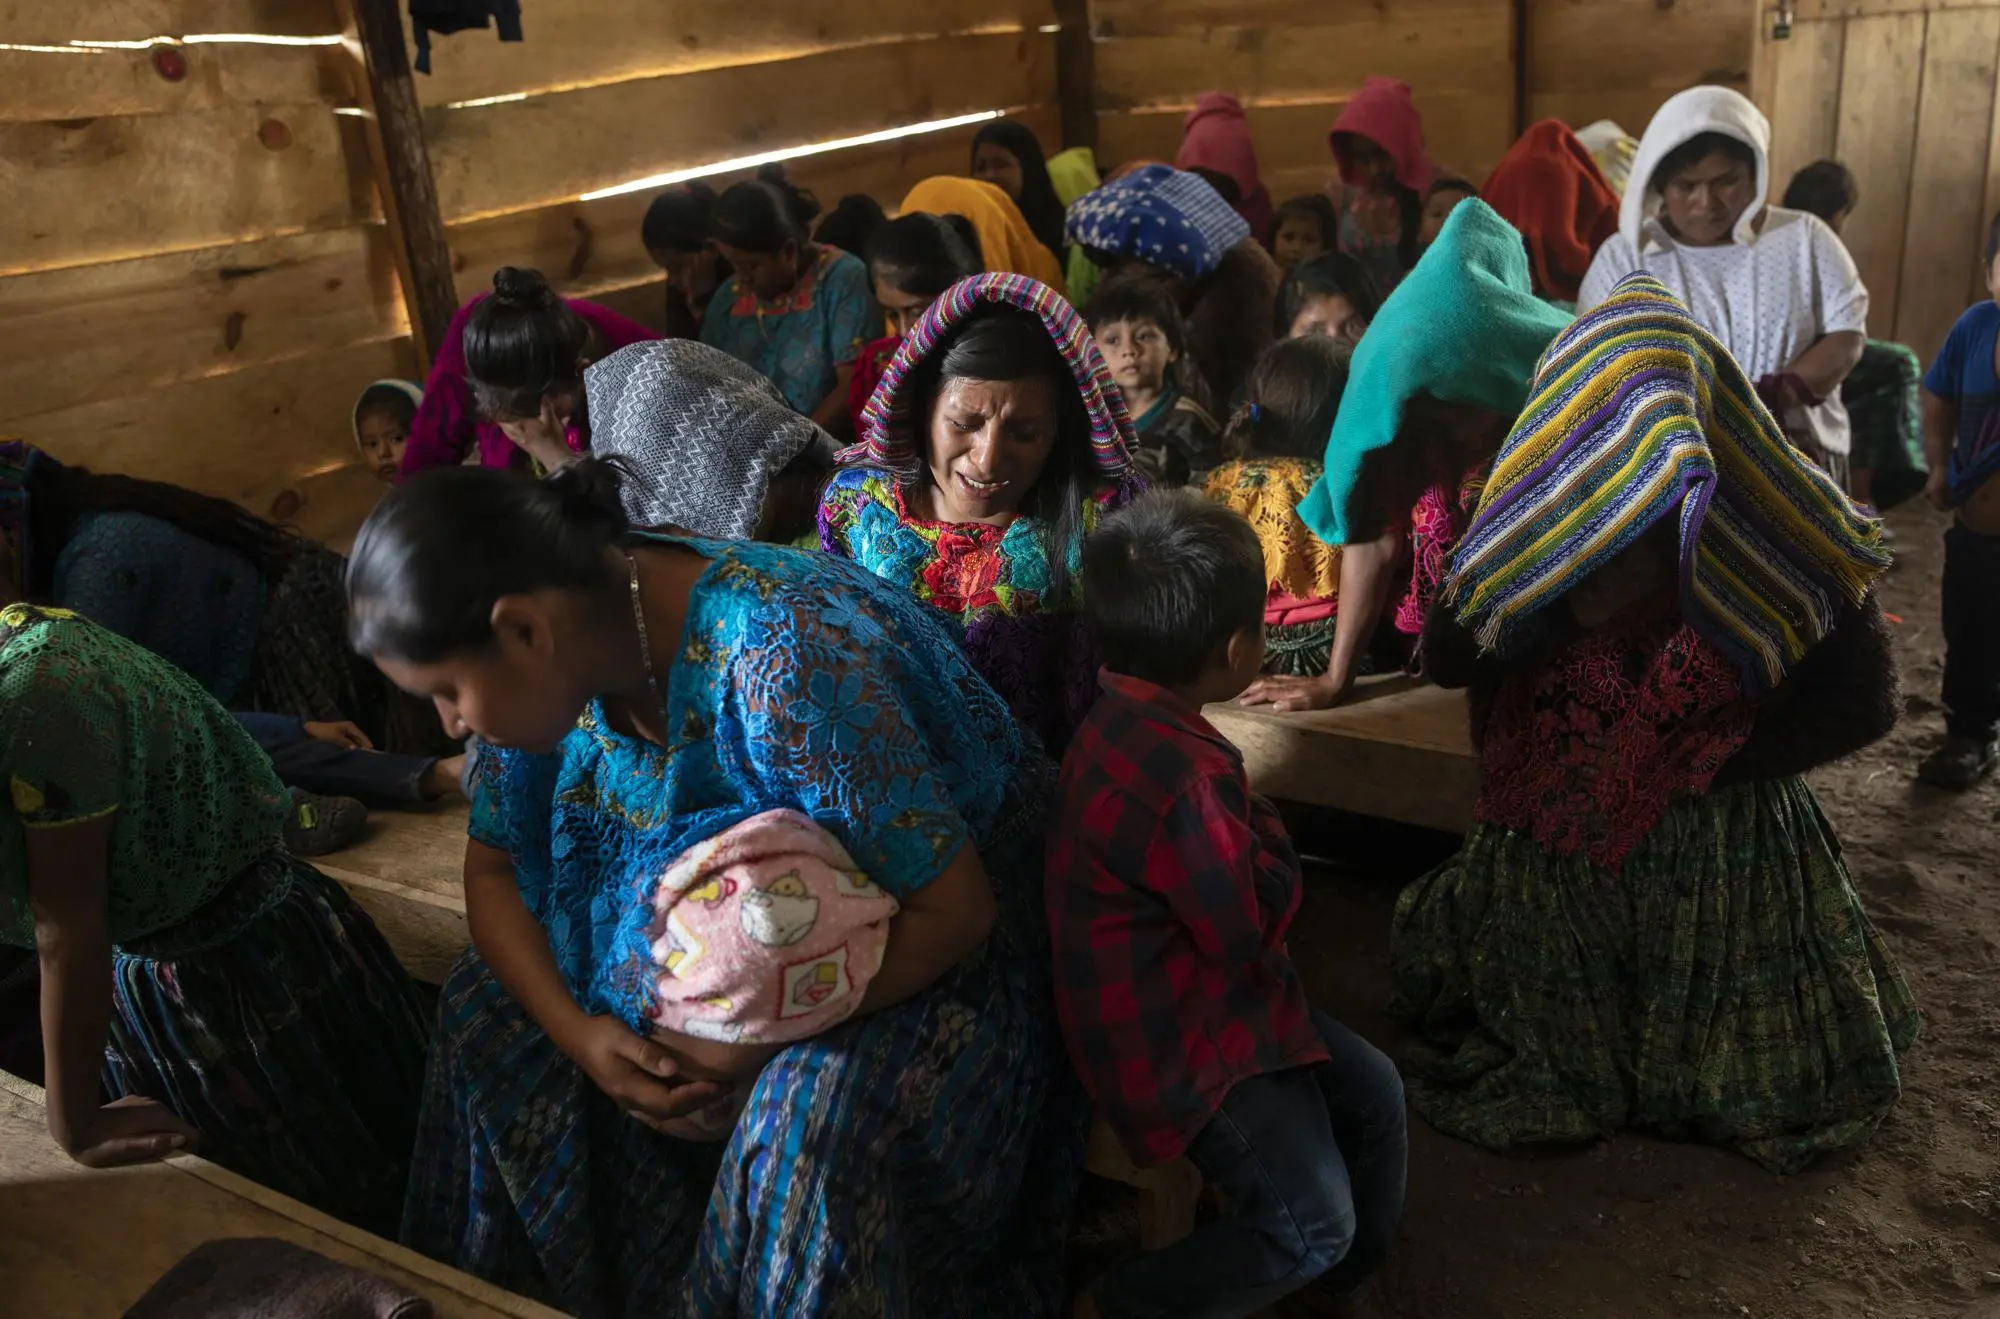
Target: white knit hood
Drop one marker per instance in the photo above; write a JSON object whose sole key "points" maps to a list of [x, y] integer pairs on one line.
{"points": [[1687, 115]]}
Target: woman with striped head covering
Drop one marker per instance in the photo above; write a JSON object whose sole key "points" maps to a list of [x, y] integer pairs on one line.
{"points": [[993, 445], [1664, 611]]}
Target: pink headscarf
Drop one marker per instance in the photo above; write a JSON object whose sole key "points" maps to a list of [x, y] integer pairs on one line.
{"points": [[1383, 112], [1217, 137]]}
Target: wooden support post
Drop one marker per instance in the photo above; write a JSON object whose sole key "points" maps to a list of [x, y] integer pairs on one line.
{"points": [[1523, 79], [402, 169], [1076, 74]]}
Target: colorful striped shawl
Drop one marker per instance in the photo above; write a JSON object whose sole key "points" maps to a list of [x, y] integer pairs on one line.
{"points": [[1638, 412], [888, 431]]}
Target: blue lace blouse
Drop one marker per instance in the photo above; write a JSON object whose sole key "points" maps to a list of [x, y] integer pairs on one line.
{"points": [[801, 681]]}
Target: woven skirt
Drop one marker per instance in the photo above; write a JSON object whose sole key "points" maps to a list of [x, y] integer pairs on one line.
{"points": [[278, 1024], [1298, 650], [1725, 987], [1885, 416]]}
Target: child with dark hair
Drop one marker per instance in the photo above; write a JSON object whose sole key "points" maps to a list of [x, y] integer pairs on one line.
{"points": [[1378, 144], [509, 378], [382, 418], [853, 221], [1303, 228], [675, 232], [1330, 295], [1169, 888], [1281, 431], [796, 310], [1139, 330], [1825, 188], [1440, 199], [912, 260], [1962, 438]]}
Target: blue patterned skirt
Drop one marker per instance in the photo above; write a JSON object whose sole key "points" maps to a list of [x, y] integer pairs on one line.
{"points": [[920, 1161], [278, 1024]]}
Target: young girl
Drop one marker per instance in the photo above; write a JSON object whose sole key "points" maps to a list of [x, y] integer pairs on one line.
{"points": [[1281, 432], [796, 310], [1139, 331], [1445, 193], [1330, 295], [1378, 143], [911, 262], [1665, 613], [232, 998], [509, 378], [1303, 228], [382, 418]]}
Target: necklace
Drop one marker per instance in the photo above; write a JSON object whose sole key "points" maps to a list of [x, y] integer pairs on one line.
{"points": [[645, 643]]}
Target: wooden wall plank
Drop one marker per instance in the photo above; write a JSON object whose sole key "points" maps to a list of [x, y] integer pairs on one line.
{"points": [[1881, 75], [1165, 18], [1435, 50], [249, 435], [1946, 212], [580, 42], [1467, 133], [1621, 59], [40, 22], [1808, 10], [549, 149], [75, 335], [1805, 97], [36, 85], [590, 248], [132, 185]]}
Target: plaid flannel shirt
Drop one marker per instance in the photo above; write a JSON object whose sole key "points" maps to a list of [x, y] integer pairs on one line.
{"points": [[1170, 886]]}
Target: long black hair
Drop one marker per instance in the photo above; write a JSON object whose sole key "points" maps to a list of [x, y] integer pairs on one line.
{"points": [[1291, 400], [851, 224], [677, 221], [1826, 188], [764, 214], [1040, 206], [924, 254], [60, 495], [1329, 274], [522, 344], [1005, 344], [442, 547]]}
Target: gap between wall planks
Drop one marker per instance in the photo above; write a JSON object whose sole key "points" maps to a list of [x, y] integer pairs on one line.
{"points": [[549, 148], [393, 129], [28, 22]]}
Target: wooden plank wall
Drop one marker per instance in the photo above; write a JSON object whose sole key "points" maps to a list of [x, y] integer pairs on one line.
{"points": [[194, 276], [1620, 59], [604, 92], [1903, 93]]}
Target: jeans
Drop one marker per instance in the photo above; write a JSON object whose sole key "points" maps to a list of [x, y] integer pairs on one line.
{"points": [[378, 778], [1971, 595], [1311, 1165]]}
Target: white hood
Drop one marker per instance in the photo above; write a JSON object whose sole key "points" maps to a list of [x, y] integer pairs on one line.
{"points": [[1688, 115]]}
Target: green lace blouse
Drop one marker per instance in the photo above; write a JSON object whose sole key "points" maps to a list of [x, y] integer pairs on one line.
{"points": [[92, 725]]}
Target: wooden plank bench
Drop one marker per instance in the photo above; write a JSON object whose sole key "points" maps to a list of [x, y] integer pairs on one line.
{"points": [[1398, 750], [78, 1243]]}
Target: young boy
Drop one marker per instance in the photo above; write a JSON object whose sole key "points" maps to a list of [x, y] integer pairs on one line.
{"points": [[1962, 440], [382, 417], [1169, 887], [1139, 330]]}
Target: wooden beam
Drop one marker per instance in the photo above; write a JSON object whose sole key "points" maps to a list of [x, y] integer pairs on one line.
{"points": [[1076, 74], [401, 161]]}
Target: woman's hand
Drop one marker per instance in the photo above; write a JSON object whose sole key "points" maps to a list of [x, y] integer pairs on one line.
{"points": [[130, 1130], [544, 438], [636, 1073], [1286, 693], [340, 733]]}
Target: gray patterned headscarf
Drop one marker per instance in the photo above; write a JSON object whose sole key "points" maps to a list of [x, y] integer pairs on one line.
{"points": [[702, 434]]}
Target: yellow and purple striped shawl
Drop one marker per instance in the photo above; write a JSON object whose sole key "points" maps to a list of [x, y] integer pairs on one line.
{"points": [[1636, 413]]}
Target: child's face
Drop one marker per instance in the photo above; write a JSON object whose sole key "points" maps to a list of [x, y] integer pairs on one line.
{"points": [[1368, 161], [1438, 209], [1298, 239], [901, 307], [1331, 315], [1137, 353], [383, 435]]}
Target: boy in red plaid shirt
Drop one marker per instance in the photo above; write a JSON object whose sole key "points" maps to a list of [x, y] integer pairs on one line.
{"points": [[1170, 887]]}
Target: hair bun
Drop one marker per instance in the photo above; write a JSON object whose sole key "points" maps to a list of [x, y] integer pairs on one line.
{"points": [[522, 287], [590, 492]]}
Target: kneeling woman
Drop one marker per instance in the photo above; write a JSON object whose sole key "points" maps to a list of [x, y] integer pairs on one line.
{"points": [[992, 447], [640, 693], [1650, 925], [233, 998]]}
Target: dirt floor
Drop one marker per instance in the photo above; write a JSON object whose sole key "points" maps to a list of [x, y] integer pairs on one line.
{"points": [[1907, 1229]]}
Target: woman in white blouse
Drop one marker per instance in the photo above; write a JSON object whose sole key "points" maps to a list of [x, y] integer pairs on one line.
{"points": [[1775, 286]]}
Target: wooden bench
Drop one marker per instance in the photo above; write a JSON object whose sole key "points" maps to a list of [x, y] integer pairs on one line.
{"points": [[1398, 750], [77, 1243]]}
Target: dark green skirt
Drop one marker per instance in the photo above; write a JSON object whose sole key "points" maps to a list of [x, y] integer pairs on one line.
{"points": [[1726, 987], [1301, 650], [1886, 419]]}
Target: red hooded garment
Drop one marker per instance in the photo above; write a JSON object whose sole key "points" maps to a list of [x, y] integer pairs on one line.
{"points": [[1383, 112], [1549, 187], [1217, 137]]}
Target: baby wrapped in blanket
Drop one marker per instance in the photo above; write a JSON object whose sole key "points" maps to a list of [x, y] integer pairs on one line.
{"points": [[765, 934]]}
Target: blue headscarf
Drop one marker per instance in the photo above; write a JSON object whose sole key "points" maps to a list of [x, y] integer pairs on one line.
{"points": [[1161, 216]]}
